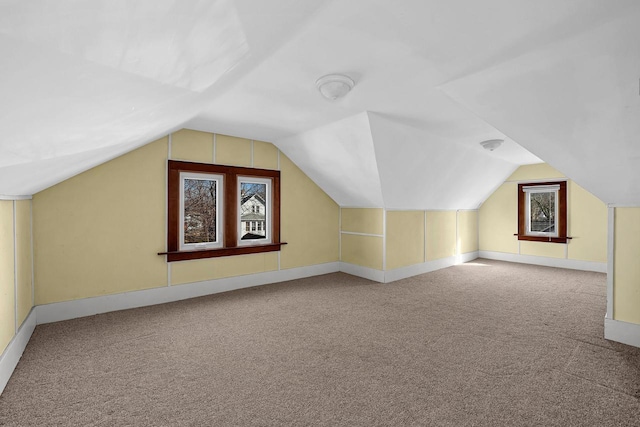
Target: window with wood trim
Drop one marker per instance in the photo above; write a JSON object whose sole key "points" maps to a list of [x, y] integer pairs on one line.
{"points": [[542, 211], [254, 195], [212, 207], [200, 210]]}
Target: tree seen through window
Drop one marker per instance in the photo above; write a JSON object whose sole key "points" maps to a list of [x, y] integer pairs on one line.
{"points": [[200, 207], [543, 212]]}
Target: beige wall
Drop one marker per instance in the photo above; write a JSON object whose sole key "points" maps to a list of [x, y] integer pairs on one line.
{"points": [[233, 151], [467, 231], [365, 251], [626, 269], [362, 220], [99, 232], [371, 237], [312, 218], [15, 267], [587, 224], [192, 145], [199, 270], [405, 238], [24, 263], [365, 247], [532, 172], [7, 278], [586, 220], [499, 220], [441, 234]]}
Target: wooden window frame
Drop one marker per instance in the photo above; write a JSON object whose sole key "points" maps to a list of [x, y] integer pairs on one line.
{"points": [[229, 210], [561, 221]]}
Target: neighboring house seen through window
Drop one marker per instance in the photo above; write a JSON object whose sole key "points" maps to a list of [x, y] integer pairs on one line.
{"points": [[255, 208]]}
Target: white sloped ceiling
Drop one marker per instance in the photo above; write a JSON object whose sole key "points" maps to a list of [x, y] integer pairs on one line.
{"points": [[346, 149], [419, 170], [83, 82], [575, 103]]}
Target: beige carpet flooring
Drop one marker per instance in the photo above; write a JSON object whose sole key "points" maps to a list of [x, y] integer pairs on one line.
{"points": [[481, 344]]}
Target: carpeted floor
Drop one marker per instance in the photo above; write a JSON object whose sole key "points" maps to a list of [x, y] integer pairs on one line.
{"points": [[482, 344]]}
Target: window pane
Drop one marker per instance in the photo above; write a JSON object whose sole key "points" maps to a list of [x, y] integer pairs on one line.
{"points": [[200, 207], [253, 205], [543, 212]]}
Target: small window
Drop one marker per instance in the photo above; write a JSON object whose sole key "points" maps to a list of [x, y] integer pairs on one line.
{"points": [[542, 212], [200, 200], [254, 196]]}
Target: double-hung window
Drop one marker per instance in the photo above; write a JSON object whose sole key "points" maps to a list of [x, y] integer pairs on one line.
{"points": [[216, 210], [542, 212]]}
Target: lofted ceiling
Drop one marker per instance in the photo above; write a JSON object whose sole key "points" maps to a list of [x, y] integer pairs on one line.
{"points": [[84, 82]]}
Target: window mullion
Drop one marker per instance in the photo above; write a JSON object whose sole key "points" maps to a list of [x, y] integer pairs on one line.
{"points": [[230, 211]]}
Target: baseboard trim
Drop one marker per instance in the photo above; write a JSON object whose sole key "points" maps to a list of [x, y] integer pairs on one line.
{"points": [[12, 354], [469, 256], [426, 267], [66, 310], [364, 272], [572, 264], [408, 271], [623, 332]]}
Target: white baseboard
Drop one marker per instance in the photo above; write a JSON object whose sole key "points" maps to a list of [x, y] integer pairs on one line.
{"points": [[426, 267], [469, 256], [624, 332], [572, 264], [66, 310], [404, 272], [364, 272], [12, 354]]}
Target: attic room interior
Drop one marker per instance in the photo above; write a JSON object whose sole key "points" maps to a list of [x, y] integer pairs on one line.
{"points": [[314, 212]]}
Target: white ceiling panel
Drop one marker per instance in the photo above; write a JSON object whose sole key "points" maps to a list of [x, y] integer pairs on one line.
{"points": [[556, 80], [575, 104], [346, 149], [422, 171]]}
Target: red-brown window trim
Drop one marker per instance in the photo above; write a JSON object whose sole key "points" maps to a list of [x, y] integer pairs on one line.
{"points": [[562, 213], [230, 234]]}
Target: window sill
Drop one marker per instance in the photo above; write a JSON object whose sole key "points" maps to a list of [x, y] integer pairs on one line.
{"points": [[543, 238], [220, 252]]}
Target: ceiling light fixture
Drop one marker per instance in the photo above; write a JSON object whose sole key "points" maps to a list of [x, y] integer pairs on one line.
{"points": [[334, 86], [491, 144]]}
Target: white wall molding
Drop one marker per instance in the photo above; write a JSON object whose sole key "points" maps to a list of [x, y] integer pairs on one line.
{"points": [[7, 197], [426, 267], [572, 264], [525, 181], [624, 332], [65, 310], [364, 272], [12, 354], [355, 233], [611, 232], [15, 271]]}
